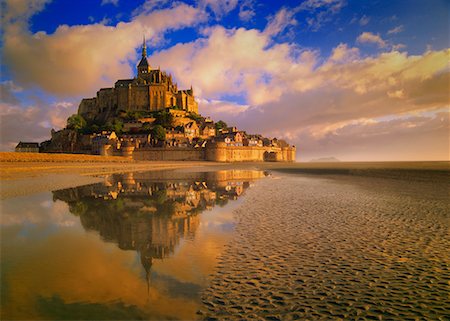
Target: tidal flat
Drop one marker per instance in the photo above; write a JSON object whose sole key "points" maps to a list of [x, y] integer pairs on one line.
{"points": [[248, 241], [330, 247]]}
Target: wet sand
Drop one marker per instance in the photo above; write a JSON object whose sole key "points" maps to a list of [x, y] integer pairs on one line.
{"points": [[336, 247], [27, 173]]}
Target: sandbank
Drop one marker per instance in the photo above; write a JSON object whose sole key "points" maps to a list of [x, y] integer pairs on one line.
{"points": [[28, 173]]}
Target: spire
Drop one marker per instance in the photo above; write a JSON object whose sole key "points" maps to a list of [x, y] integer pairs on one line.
{"points": [[144, 48]]}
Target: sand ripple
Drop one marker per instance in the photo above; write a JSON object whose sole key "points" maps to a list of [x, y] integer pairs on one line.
{"points": [[320, 249]]}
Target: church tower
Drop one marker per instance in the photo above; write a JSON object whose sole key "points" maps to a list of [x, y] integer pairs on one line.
{"points": [[143, 67]]}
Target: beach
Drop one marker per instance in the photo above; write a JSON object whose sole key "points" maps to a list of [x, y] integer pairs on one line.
{"points": [[285, 241], [336, 247], [26, 173]]}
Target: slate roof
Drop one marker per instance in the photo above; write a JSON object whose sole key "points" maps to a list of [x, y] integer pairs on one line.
{"points": [[143, 62], [27, 145]]}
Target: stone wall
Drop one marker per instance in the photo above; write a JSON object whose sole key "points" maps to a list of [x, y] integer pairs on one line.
{"points": [[220, 152], [217, 152], [169, 154]]}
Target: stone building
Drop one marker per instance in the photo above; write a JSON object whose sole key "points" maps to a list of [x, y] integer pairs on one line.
{"points": [[151, 90], [25, 147]]}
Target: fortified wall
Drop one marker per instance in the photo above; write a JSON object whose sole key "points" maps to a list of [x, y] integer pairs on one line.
{"points": [[215, 152]]}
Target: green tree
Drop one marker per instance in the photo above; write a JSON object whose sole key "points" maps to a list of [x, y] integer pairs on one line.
{"points": [[164, 118], [195, 116], [220, 125], [117, 126], [76, 122], [159, 133], [146, 128]]}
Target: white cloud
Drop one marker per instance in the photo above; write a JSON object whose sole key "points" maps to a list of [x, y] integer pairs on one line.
{"points": [[220, 8], [364, 20], [68, 62], [246, 10], [369, 37], [320, 11], [113, 2], [282, 20], [19, 11], [31, 123], [395, 30]]}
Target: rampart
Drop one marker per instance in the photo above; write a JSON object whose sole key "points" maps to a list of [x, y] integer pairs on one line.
{"points": [[169, 154], [215, 152], [220, 152]]}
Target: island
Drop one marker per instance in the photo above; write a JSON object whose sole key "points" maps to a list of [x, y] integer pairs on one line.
{"points": [[149, 118]]}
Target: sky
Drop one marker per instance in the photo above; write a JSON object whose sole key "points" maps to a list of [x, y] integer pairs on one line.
{"points": [[355, 80]]}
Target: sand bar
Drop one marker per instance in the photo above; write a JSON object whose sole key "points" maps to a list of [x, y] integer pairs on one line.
{"points": [[27, 173]]}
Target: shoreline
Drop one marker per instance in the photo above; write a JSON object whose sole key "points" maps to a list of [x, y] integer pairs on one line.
{"points": [[25, 173]]}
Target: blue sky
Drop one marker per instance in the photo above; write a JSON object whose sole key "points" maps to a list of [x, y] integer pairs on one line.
{"points": [[337, 78]]}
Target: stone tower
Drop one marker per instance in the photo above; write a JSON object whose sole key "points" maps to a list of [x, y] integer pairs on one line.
{"points": [[143, 68]]}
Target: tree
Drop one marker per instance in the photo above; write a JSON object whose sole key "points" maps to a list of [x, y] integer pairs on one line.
{"points": [[146, 128], [164, 118], [76, 122], [159, 133], [118, 126], [195, 116], [220, 125]]}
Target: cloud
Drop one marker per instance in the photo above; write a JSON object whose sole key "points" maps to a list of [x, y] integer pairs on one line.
{"points": [[220, 8], [364, 20], [19, 11], [411, 137], [395, 30], [281, 21], [369, 37], [320, 11], [113, 2], [7, 92], [238, 62], [31, 123], [67, 63], [220, 109], [246, 10]]}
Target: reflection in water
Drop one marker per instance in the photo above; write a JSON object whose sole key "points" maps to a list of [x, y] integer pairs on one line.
{"points": [[151, 212], [53, 269]]}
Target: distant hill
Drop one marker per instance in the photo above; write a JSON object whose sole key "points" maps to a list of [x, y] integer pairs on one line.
{"points": [[325, 160]]}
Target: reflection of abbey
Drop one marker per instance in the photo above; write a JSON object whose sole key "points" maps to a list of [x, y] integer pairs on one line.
{"points": [[151, 212], [150, 90], [149, 118]]}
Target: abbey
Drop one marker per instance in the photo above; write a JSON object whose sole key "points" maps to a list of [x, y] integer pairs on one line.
{"points": [[151, 90]]}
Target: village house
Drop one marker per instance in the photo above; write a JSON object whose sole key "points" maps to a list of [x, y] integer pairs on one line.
{"points": [[100, 140], [191, 130], [252, 140], [207, 130], [26, 147], [231, 139], [139, 140]]}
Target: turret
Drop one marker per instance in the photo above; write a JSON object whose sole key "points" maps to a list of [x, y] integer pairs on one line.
{"points": [[143, 66]]}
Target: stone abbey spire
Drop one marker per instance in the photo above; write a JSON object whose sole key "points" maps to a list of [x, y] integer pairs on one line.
{"points": [[144, 48], [143, 66]]}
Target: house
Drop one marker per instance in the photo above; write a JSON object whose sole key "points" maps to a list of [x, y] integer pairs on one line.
{"points": [[207, 130], [26, 147], [139, 140], [100, 140], [191, 130], [252, 141], [231, 139]]}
